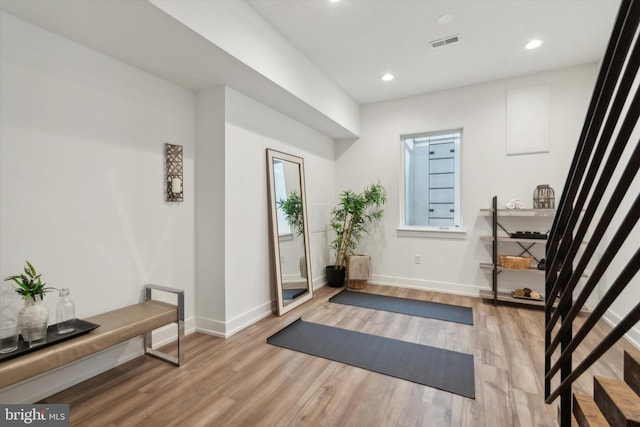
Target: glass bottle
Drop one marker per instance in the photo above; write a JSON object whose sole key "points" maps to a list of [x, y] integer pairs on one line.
{"points": [[65, 313]]}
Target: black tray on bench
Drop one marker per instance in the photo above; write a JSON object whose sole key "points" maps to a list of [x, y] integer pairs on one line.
{"points": [[81, 327]]}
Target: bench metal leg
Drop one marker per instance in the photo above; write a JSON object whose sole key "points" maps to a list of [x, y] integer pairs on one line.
{"points": [[148, 343]]}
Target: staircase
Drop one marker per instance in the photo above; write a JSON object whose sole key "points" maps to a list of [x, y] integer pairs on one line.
{"points": [[615, 402], [599, 187]]}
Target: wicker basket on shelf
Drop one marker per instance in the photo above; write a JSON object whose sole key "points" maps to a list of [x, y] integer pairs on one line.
{"points": [[517, 262]]}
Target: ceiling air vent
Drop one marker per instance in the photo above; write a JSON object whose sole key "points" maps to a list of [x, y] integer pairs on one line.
{"points": [[445, 41]]}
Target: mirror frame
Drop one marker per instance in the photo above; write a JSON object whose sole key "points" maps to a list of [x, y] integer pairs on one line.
{"points": [[275, 238]]}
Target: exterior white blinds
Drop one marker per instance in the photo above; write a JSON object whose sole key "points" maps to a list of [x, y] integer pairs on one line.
{"points": [[432, 179]]}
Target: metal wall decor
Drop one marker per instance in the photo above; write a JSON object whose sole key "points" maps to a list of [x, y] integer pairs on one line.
{"points": [[173, 172], [544, 197]]}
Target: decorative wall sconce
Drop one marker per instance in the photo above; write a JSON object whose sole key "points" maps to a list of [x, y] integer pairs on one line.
{"points": [[173, 172]]}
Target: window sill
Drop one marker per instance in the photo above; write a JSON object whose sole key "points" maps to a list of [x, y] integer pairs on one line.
{"points": [[432, 232], [285, 237]]}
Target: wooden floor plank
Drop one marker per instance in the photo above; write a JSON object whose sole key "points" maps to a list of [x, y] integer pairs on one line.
{"points": [[244, 381]]}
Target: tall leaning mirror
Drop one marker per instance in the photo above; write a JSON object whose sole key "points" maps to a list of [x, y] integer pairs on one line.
{"points": [[289, 231]]}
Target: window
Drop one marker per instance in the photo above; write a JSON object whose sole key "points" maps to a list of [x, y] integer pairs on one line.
{"points": [[280, 193], [432, 180]]}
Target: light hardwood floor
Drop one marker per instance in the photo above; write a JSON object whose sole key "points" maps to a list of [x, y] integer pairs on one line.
{"points": [[243, 381]]}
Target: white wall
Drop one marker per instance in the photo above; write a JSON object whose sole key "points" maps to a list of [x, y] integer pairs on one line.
{"points": [[238, 29], [252, 128], [234, 275], [210, 213], [630, 297], [81, 180], [81, 185], [451, 265], [82, 176]]}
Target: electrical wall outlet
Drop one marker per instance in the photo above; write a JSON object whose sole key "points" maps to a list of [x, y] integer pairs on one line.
{"points": [[418, 259]]}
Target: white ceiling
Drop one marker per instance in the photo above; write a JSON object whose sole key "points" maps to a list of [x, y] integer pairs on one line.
{"points": [[354, 42], [140, 34]]}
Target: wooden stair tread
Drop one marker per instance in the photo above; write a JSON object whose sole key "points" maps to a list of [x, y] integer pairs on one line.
{"points": [[632, 370], [617, 401], [587, 413]]}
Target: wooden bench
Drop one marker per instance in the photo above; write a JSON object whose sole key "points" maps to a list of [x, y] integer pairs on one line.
{"points": [[115, 327]]}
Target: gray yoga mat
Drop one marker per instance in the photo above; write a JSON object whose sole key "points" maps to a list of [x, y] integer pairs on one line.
{"points": [[412, 307], [292, 293], [434, 367]]}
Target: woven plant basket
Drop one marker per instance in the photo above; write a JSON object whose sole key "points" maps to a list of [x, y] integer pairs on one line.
{"points": [[516, 262], [356, 283]]}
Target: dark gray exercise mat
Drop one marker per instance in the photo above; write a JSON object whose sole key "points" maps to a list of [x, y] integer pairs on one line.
{"points": [[434, 367], [412, 307], [292, 293]]}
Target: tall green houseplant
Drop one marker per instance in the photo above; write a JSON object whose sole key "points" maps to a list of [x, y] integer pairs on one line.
{"points": [[351, 218], [292, 208]]}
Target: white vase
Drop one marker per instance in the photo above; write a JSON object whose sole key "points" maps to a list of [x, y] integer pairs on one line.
{"points": [[32, 321]]}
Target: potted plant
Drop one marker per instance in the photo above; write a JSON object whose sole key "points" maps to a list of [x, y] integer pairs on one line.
{"points": [[34, 316], [350, 220], [292, 209]]}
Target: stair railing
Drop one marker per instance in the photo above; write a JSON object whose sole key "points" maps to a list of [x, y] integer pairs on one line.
{"points": [[590, 199]]}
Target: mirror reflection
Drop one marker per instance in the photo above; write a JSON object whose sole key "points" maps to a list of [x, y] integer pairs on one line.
{"points": [[288, 228]]}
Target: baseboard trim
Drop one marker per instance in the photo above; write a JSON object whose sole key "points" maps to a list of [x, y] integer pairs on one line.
{"points": [[210, 327], [238, 323], [247, 319], [426, 285], [169, 333], [319, 283], [51, 382], [233, 326], [40, 386], [633, 335], [54, 381]]}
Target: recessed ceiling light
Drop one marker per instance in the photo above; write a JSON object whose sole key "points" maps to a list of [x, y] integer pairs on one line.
{"points": [[387, 77], [534, 44], [334, 1], [445, 19]]}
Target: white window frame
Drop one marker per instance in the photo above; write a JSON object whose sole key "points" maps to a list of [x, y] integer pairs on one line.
{"points": [[454, 232]]}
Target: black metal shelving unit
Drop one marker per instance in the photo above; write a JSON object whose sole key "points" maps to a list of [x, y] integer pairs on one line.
{"points": [[525, 246]]}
